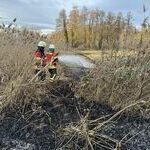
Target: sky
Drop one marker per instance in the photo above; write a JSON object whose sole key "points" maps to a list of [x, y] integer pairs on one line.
{"points": [[43, 13]]}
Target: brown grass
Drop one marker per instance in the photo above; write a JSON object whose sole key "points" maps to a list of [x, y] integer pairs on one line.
{"points": [[122, 82], [96, 55], [17, 66], [119, 83], [16, 60]]}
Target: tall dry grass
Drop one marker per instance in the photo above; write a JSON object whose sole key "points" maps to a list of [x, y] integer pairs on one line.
{"points": [[119, 83], [122, 83], [16, 61]]}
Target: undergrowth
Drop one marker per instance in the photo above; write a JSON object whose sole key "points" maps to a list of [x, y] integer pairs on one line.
{"points": [[59, 115]]}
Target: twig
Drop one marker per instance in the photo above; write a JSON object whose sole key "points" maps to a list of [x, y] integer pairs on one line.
{"points": [[115, 115]]}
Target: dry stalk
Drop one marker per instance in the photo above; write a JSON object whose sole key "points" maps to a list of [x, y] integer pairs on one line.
{"points": [[90, 134], [115, 115]]}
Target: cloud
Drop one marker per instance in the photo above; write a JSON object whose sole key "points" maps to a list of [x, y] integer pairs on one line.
{"points": [[45, 12], [30, 11], [26, 1]]}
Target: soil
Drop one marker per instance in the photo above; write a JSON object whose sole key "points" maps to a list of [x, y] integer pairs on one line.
{"points": [[39, 125]]}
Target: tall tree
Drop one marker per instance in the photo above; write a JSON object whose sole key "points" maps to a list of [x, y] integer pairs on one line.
{"points": [[74, 24], [84, 18], [62, 24], [93, 28]]}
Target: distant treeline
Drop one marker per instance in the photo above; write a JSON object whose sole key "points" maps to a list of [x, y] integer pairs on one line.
{"points": [[96, 29]]}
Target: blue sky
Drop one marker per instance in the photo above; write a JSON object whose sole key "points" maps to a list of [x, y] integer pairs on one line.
{"points": [[43, 13]]}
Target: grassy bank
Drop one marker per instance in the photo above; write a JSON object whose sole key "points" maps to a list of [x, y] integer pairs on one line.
{"points": [[119, 83], [120, 78], [96, 55], [88, 113]]}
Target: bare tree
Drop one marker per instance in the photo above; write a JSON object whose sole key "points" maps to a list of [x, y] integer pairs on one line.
{"points": [[62, 24]]}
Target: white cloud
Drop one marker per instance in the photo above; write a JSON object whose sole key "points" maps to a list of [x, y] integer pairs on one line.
{"points": [[45, 12], [28, 1], [46, 31]]}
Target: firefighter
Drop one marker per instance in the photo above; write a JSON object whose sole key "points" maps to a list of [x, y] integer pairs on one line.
{"points": [[51, 58], [39, 56]]}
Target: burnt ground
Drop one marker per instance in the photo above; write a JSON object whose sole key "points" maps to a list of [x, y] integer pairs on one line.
{"points": [[38, 125]]}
